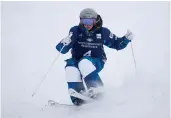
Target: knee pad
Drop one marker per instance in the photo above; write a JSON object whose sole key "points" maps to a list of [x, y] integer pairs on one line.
{"points": [[86, 67], [72, 74]]}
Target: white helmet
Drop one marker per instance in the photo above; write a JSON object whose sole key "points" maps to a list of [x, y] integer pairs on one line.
{"points": [[88, 13]]}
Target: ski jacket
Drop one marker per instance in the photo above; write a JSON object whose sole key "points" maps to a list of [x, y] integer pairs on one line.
{"points": [[90, 43]]}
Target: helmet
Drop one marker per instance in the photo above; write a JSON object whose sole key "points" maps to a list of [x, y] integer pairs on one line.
{"points": [[88, 13]]}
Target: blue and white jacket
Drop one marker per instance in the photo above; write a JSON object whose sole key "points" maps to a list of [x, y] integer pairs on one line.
{"points": [[90, 43]]}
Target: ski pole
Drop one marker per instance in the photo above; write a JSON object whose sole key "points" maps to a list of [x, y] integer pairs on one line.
{"points": [[133, 58], [84, 84], [64, 44], [47, 72]]}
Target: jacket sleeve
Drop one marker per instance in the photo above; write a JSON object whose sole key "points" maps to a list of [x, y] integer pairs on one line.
{"points": [[66, 48], [112, 41]]}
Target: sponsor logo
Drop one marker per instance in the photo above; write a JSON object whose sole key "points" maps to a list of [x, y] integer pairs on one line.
{"points": [[98, 36], [80, 35], [89, 39]]}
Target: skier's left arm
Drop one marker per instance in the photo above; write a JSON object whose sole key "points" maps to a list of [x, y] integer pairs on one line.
{"points": [[118, 43]]}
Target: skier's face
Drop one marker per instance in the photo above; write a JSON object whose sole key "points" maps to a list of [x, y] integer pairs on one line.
{"points": [[89, 27], [88, 23]]}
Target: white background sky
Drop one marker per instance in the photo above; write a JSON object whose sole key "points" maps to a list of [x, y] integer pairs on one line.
{"points": [[30, 32]]}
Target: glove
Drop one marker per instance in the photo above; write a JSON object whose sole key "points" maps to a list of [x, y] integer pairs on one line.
{"points": [[129, 35], [67, 40]]}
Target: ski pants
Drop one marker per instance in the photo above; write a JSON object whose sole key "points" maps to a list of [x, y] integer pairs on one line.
{"points": [[86, 69]]}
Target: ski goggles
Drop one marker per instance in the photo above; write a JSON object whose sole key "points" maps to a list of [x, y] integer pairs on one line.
{"points": [[86, 21]]}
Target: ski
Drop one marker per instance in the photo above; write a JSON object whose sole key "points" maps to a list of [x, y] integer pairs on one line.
{"points": [[84, 96], [53, 103], [74, 93]]}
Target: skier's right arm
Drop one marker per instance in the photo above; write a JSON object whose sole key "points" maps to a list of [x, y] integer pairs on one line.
{"points": [[66, 43]]}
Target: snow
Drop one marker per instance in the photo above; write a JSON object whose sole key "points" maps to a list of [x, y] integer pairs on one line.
{"points": [[30, 32]]}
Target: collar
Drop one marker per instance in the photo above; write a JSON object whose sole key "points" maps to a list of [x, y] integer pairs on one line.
{"points": [[89, 32]]}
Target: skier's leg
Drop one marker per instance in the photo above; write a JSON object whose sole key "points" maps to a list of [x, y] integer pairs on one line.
{"points": [[89, 68], [74, 79]]}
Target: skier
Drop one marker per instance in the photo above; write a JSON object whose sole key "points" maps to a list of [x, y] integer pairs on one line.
{"points": [[86, 42]]}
